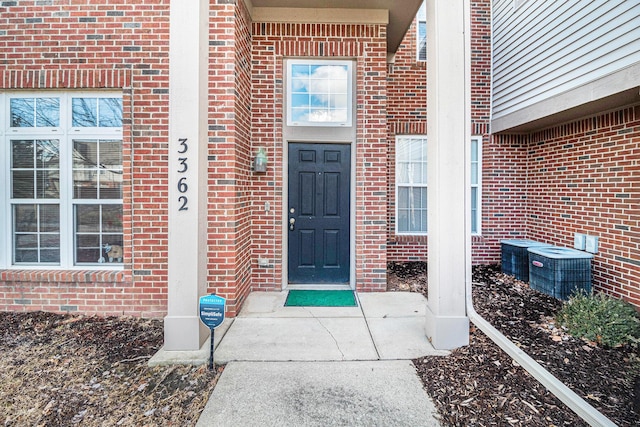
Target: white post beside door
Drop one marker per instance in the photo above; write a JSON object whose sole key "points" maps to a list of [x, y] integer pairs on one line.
{"points": [[448, 151], [188, 89]]}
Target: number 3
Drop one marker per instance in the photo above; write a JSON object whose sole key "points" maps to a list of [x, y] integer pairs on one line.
{"points": [[183, 144]]}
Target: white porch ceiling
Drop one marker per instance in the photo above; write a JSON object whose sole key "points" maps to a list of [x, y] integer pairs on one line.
{"points": [[399, 14]]}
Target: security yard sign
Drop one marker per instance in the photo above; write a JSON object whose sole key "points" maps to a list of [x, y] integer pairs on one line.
{"points": [[212, 315], [212, 310]]}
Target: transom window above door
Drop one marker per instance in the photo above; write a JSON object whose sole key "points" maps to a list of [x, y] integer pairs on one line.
{"points": [[319, 93]]}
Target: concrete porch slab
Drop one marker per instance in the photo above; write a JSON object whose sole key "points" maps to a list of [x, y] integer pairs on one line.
{"points": [[296, 339], [401, 338], [282, 394], [392, 304]]}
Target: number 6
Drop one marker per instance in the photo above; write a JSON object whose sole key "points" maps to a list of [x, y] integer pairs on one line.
{"points": [[182, 185]]}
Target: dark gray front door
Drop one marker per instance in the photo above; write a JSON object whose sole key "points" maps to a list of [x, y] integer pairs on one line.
{"points": [[318, 213]]}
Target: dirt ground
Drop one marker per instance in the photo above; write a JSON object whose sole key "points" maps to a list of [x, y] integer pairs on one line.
{"points": [[481, 385], [60, 370]]}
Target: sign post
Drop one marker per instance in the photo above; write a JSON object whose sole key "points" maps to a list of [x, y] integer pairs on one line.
{"points": [[212, 315]]}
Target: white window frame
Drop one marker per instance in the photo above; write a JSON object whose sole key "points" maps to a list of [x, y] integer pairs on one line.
{"points": [[476, 139], [349, 108], [423, 140], [421, 16], [66, 134]]}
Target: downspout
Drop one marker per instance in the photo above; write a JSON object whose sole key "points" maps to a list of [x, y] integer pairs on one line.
{"points": [[577, 404]]}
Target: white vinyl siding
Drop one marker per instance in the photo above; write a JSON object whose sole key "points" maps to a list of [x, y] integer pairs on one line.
{"points": [[544, 48]]}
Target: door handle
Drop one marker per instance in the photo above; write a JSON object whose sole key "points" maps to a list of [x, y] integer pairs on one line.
{"points": [[292, 223]]}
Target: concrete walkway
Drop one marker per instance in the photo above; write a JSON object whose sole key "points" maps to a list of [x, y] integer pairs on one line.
{"points": [[319, 366]]}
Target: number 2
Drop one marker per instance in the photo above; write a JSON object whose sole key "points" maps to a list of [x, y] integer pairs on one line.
{"points": [[183, 200]]}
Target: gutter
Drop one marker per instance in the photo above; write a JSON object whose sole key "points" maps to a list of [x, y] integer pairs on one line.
{"points": [[577, 404]]}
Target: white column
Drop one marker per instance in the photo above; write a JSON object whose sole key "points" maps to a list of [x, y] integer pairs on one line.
{"points": [[188, 88], [448, 151]]}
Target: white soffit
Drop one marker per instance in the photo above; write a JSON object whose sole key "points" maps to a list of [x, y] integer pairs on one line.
{"points": [[397, 15]]}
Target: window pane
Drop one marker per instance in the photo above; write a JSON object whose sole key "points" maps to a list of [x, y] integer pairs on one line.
{"points": [[47, 154], [47, 184], [85, 154], [22, 154], [36, 233], [22, 185], [35, 112], [110, 112], [97, 169], [25, 218], [50, 241], [474, 210], [47, 112], [84, 112], [422, 41], [112, 218], [49, 218], [474, 173], [98, 231], [319, 93], [22, 112], [26, 241], [300, 114], [111, 153], [85, 184], [88, 218], [300, 70], [300, 100], [474, 150], [411, 161], [412, 210], [110, 184], [403, 197], [422, 32], [50, 255], [35, 175]]}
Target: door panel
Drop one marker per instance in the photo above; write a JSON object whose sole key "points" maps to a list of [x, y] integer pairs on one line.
{"points": [[319, 197]]}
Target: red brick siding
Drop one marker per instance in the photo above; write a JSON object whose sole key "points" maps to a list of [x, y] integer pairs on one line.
{"points": [[367, 44], [120, 45], [584, 177], [229, 153], [407, 115]]}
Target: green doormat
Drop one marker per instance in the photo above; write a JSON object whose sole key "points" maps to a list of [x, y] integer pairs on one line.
{"points": [[300, 298]]}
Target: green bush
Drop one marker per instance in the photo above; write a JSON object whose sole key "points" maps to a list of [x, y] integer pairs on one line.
{"points": [[607, 321]]}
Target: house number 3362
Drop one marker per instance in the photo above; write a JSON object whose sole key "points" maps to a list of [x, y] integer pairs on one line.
{"points": [[183, 187]]}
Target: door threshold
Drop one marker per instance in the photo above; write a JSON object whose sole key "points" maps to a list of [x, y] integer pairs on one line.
{"points": [[320, 287]]}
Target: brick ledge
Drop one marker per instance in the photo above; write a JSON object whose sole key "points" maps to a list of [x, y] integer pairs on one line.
{"points": [[66, 276]]}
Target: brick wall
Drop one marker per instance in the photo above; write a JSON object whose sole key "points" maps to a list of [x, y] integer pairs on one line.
{"points": [[584, 177], [229, 152], [501, 161], [367, 44], [123, 45]]}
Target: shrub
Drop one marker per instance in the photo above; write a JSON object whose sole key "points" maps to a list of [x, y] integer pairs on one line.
{"points": [[607, 321]]}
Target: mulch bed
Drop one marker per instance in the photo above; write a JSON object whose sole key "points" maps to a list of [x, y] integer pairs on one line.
{"points": [[62, 370], [481, 385]]}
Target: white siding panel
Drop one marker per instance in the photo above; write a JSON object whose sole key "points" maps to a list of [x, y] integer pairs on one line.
{"points": [[544, 48]]}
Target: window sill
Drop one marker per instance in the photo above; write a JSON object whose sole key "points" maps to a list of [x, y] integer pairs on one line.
{"points": [[66, 276]]}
